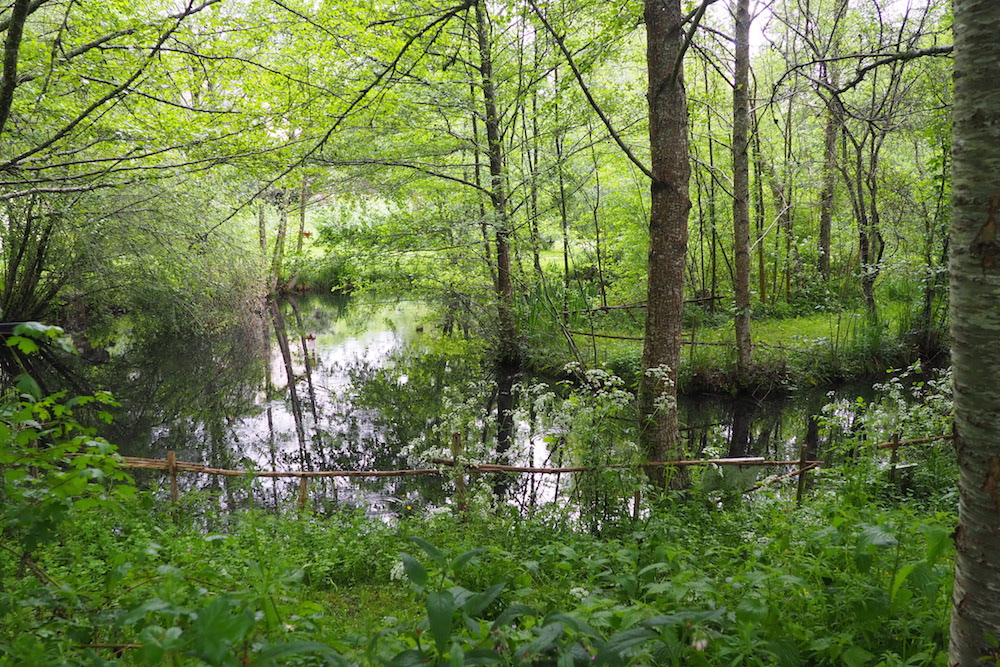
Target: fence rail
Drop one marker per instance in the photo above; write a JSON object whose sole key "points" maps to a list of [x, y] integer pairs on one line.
{"points": [[802, 465]]}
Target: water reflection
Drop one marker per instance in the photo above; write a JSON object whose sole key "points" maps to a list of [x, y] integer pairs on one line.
{"points": [[330, 383]]}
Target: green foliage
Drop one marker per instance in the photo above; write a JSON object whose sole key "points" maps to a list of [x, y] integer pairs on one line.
{"points": [[51, 463], [755, 583], [913, 402]]}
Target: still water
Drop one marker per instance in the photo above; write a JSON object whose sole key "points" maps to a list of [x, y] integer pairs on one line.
{"points": [[374, 387]]}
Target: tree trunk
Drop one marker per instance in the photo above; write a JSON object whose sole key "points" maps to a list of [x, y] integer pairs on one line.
{"points": [[659, 434], [974, 269], [834, 118], [829, 183], [741, 189], [712, 217], [507, 356]]}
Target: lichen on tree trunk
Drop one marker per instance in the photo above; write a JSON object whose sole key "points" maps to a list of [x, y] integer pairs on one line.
{"points": [[975, 330]]}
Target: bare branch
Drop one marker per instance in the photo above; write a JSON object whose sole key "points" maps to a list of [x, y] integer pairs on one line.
{"points": [[430, 170], [859, 75], [586, 92]]}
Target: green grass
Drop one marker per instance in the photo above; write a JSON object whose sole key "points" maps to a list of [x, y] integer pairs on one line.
{"points": [[805, 350]]}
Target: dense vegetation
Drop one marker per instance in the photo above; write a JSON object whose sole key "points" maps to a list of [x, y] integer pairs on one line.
{"points": [[860, 574], [170, 171]]}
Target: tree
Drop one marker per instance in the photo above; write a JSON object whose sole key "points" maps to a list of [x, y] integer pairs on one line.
{"points": [[741, 187], [975, 320], [659, 433]]}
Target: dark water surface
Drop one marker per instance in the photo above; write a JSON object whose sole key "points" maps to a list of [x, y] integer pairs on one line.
{"points": [[375, 389]]}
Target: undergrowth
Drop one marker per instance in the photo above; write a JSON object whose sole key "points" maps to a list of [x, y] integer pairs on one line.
{"points": [[97, 573]]}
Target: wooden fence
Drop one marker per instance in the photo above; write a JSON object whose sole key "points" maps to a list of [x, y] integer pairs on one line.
{"points": [[455, 467]]}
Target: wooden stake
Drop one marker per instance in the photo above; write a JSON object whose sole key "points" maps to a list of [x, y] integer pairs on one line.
{"points": [[172, 470], [460, 491], [303, 492], [801, 490], [894, 459]]}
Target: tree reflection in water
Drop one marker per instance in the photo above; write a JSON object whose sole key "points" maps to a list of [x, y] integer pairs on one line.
{"points": [[369, 391]]}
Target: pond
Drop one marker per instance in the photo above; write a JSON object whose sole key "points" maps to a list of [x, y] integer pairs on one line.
{"points": [[376, 387]]}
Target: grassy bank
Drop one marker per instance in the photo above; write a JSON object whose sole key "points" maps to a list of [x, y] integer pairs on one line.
{"points": [[799, 351], [859, 574]]}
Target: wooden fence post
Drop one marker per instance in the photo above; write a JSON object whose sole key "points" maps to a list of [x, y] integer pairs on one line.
{"points": [[460, 491], [172, 470], [303, 492], [894, 459], [801, 490]]}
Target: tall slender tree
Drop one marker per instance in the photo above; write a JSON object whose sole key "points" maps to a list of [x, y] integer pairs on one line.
{"points": [[659, 433], [975, 320], [741, 187]]}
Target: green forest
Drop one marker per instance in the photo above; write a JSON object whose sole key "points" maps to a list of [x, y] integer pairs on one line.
{"points": [[512, 246]]}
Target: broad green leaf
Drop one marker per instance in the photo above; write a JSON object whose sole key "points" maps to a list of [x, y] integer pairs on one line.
{"points": [[414, 570], [482, 656], [411, 658], [856, 657], [938, 540], [460, 561], [573, 623], [546, 639], [510, 613], [440, 611], [456, 655], [38, 330], [618, 644], [25, 345], [900, 578], [431, 550], [268, 655], [26, 385], [479, 602]]}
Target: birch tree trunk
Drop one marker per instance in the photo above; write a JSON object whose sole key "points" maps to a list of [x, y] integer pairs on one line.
{"points": [[659, 434], [975, 330]]}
